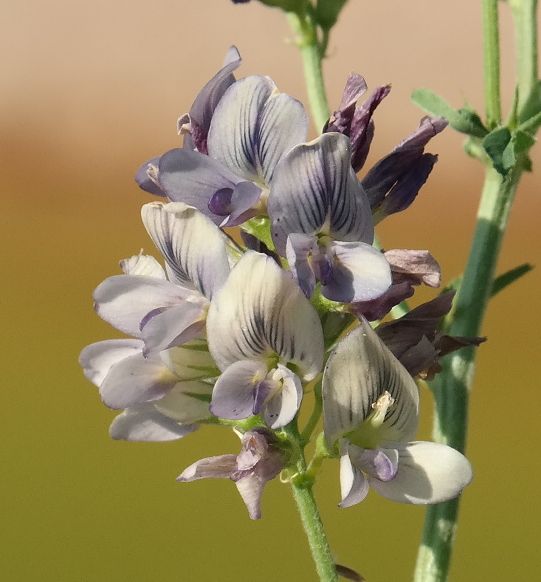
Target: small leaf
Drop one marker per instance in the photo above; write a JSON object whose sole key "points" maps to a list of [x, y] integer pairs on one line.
{"points": [[510, 277], [532, 107], [464, 120], [327, 11], [532, 124], [500, 149], [523, 141]]}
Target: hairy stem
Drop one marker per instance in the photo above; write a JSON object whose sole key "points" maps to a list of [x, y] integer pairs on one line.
{"points": [[305, 31]]}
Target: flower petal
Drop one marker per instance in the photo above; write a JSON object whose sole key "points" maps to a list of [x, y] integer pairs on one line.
{"points": [[353, 484], [98, 358], [142, 265], [427, 473], [420, 266], [194, 178], [251, 487], [254, 126], [261, 311], [143, 423], [124, 300], [135, 380], [359, 272], [219, 467], [299, 247], [194, 248], [314, 189], [381, 464], [186, 402], [233, 394], [358, 372], [145, 179], [172, 326], [282, 407]]}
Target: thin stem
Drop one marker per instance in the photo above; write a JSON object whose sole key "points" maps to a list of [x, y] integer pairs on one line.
{"points": [[492, 62], [311, 521], [525, 19], [306, 36]]}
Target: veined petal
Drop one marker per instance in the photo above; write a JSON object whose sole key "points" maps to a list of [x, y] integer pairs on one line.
{"points": [[219, 467], [233, 394], [359, 272], [98, 358], [358, 373], [314, 189], [194, 178], [250, 488], [135, 380], [299, 248], [124, 300], [205, 103], [420, 266], [186, 402], [173, 326], [254, 126], [427, 473], [282, 407], [143, 423], [194, 248], [261, 311], [142, 265], [353, 484], [190, 361]]}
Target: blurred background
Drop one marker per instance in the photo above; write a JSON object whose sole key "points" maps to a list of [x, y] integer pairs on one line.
{"points": [[88, 91]]}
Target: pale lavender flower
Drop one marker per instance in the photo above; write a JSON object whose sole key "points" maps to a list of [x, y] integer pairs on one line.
{"points": [[260, 325], [168, 310], [321, 219], [260, 460], [370, 407]]}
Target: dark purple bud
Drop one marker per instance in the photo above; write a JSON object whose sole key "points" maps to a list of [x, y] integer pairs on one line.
{"points": [[362, 127], [254, 244], [401, 171], [380, 307], [341, 119]]}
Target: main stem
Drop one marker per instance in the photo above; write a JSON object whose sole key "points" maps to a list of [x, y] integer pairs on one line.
{"points": [[452, 389]]}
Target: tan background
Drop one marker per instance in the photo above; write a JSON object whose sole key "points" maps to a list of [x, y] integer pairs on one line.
{"points": [[88, 90]]}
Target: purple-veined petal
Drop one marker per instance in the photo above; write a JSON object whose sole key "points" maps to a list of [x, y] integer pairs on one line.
{"points": [[299, 249], [143, 423], [381, 464], [194, 248], [237, 205], [250, 487], [98, 358], [124, 300], [359, 272], [234, 391], [205, 103], [358, 373], [172, 326], [427, 473], [194, 178], [254, 126], [186, 402], [219, 467], [145, 177], [282, 407], [353, 484], [314, 189], [135, 380], [261, 311], [142, 265]]}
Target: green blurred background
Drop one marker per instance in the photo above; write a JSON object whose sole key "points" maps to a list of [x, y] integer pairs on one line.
{"points": [[88, 90]]}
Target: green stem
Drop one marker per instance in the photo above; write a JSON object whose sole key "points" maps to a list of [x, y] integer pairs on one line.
{"points": [[525, 19], [452, 389], [492, 62], [306, 36], [311, 521]]}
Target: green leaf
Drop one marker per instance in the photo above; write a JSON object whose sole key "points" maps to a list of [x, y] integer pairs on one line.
{"points": [[532, 107], [327, 11], [499, 147], [523, 141], [510, 277], [464, 120]]}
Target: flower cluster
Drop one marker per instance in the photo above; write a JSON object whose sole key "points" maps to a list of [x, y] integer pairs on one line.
{"points": [[234, 333]]}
